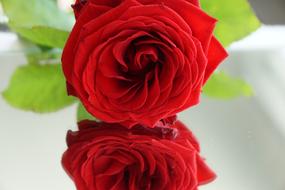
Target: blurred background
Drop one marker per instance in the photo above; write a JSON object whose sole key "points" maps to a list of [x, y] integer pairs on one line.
{"points": [[243, 139]]}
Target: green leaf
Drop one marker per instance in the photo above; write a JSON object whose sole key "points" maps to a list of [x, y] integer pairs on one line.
{"points": [[236, 19], [42, 35], [38, 88], [223, 86], [36, 13], [82, 114], [44, 56], [39, 21]]}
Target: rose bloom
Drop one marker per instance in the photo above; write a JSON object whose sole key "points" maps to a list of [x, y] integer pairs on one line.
{"points": [[104, 156], [137, 61]]}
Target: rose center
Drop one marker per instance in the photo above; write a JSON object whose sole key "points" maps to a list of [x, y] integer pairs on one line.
{"points": [[144, 59]]}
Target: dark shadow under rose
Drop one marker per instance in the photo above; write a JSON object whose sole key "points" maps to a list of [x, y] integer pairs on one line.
{"points": [[104, 156], [135, 62]]}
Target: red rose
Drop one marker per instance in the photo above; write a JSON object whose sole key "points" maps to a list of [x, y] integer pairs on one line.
{"points": [[109, 156], [137, 61]]}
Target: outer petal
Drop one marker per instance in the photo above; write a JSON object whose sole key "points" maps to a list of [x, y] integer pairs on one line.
{"points": [[201, 24], [216, 55], [204, 173], [89, 13]]}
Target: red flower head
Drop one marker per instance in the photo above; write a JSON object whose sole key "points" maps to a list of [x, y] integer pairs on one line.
{"points": [[104, 156], [137, 61]]}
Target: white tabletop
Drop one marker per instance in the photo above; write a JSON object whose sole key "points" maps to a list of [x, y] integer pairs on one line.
{"points": [[240, 139]]}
